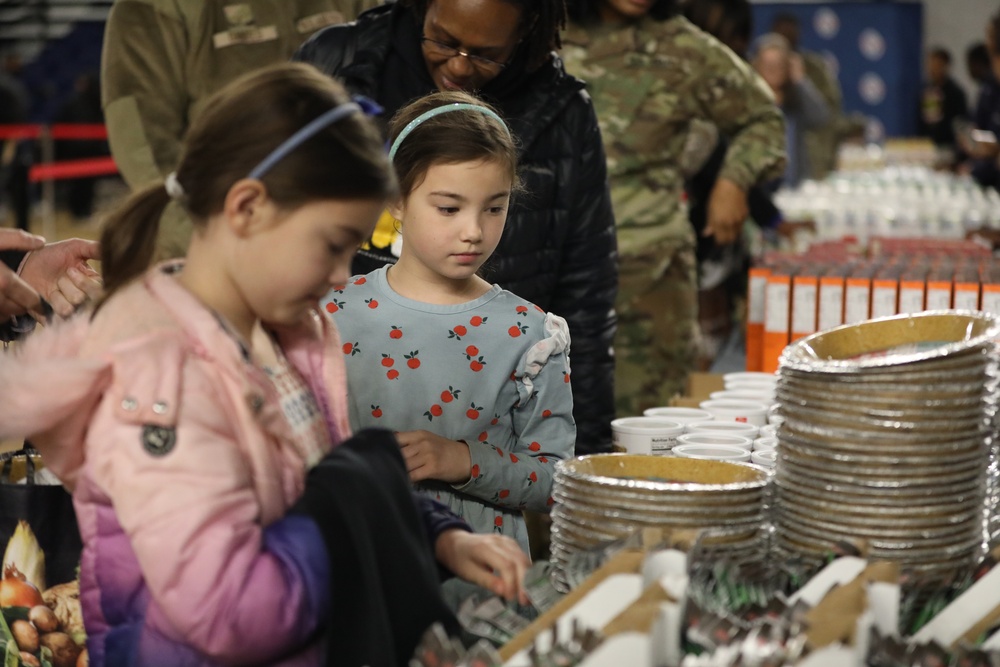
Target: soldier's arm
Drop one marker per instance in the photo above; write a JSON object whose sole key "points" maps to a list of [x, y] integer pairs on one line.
{"points": [[143, 92], [826, 83], [733, 97]]}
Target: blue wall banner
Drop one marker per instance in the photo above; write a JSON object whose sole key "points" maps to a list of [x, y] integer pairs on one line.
{"points": [[874, 48]]}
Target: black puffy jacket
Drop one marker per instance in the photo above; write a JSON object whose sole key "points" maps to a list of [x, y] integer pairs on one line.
{"points": [[558, 249]]}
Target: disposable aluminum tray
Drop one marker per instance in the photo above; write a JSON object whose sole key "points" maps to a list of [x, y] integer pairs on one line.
{"points": [[891, 342], [631, 473], [657, 500], [914, 547], [883, 437], [582, 523], [847, 500], [662, 512], [855, 491], [882, 524], [874, 459], [929, 473], [607, 516], [943, 447], [968, 363]]}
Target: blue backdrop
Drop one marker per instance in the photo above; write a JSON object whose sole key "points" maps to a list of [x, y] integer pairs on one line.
{"points": [[876, 48]]}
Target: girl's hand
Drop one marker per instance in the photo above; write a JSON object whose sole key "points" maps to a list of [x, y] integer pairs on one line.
{"points": [[430, 456], [494, 562]]}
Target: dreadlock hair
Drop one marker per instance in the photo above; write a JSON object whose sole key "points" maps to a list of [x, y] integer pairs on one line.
{"points": [[588, 11], [542, 21]]}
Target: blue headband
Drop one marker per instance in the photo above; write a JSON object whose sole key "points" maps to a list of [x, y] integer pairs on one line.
{"points": [[457, 106], [365, 105]]}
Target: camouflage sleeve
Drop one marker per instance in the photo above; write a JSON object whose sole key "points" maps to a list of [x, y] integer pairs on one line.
{"points": [[143, 92], [826, 83], [813, 111], [739, 103]]}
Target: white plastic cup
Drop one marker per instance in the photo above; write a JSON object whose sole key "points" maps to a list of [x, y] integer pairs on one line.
{"points": [[750, 376], [769, 431], [764, 457], [747, 412], [761, 444], [750, 384], [680, 415], [756, 393], [725, 428], [711, 439], [727, 453], [757, 396], [644, 435]]}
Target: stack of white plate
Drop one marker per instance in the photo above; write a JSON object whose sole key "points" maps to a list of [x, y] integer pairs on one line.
{"points": [[886, 438], [605, 497]]}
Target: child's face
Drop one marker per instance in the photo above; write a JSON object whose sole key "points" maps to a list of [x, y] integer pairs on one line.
{"points": [[292, 263], [453, 220]]}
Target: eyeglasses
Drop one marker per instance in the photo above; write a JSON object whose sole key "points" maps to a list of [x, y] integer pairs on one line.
{"points": [[446, 51]]}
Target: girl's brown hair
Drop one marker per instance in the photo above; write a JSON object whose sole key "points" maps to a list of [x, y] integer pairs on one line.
{"points": [[241, 125], [464, 135]]}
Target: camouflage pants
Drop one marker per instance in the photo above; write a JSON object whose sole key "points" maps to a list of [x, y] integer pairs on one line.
{"points": [[657, 341]]}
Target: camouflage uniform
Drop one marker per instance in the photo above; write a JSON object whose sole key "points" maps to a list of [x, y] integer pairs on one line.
{"points": [[650, 81], [822, 143], [162, 59]]}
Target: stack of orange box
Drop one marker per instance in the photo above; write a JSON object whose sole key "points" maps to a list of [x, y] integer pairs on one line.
{"points": [[792, 296]]}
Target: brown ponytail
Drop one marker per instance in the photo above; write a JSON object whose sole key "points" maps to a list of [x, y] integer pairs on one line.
{"points": [[238, 127], [128, 240]]}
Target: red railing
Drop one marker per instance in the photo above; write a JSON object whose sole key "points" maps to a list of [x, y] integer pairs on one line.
{"points": [[48, 170]]}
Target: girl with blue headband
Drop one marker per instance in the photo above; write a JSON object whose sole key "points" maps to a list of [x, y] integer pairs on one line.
{"points": [[474, 380], [190, 405]]}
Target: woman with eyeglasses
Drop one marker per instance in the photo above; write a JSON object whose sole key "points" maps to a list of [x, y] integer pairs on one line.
{"points": [[656, 80], [559, 248]]}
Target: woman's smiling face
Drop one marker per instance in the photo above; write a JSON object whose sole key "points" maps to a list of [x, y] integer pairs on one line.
{"points": [[490, 29]]}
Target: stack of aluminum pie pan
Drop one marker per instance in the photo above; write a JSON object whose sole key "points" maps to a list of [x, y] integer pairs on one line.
{"points": [[887, 437], [602, 498]]}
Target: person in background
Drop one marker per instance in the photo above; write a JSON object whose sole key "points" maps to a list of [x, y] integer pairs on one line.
{"points": [[473, 379], [36, 276], [652, 75], [558, 249], [196, 395], [804, 108], [83, 107], [16, 155], [823, 141], [942, 103], [980, 141], [977, 63], [161, 61], [722, 269]]}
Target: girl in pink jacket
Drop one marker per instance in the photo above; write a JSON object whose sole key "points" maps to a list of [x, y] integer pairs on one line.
{"points": [[185, 410]]}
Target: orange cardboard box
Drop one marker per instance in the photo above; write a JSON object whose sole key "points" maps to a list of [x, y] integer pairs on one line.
{"points": [[777, 321], [805, 303], [755, 317]]}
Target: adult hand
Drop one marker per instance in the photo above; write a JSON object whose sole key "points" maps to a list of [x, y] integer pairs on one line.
{"points": [[17, 297], [727, 210], [60, 273], [430, 456], [494, 562]]}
